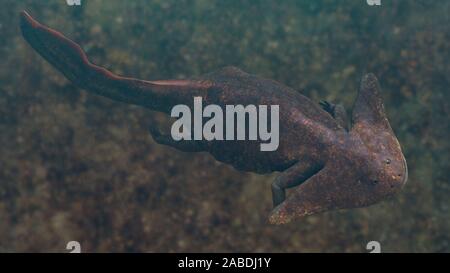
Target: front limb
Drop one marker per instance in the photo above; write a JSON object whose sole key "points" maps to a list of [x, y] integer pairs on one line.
{"points": [[291, 177], [314, 195], [337, 111]]}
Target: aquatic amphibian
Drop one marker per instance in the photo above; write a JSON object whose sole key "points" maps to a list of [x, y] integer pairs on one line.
{"points": [[330, 166]]}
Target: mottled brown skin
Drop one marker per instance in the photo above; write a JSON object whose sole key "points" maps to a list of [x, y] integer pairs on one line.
{"points": [[329, 166]]}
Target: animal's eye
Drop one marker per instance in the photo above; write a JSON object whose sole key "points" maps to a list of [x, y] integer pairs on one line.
{"points": [[374, 182], [387, 161]]}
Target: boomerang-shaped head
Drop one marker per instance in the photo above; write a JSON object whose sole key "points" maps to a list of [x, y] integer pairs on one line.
{"points": [[363, 167], [387, 166]]}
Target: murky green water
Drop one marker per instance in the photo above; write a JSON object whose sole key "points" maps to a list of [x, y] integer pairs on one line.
{"points": [[74, 166]]}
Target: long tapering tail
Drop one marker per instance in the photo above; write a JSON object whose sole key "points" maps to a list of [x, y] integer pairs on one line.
{"points": [[69, 58]]}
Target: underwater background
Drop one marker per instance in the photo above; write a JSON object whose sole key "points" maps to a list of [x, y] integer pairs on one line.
{"points": [[75, 166]]}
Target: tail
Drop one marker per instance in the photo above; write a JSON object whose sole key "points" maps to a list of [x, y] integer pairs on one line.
{"points": [[68, 57]]}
